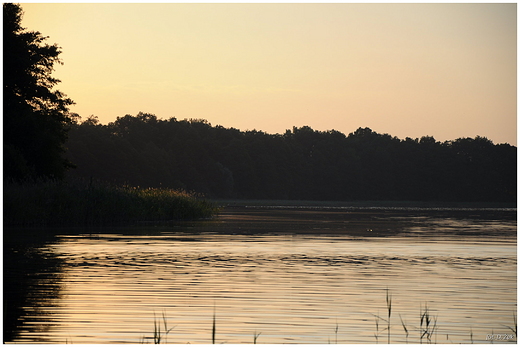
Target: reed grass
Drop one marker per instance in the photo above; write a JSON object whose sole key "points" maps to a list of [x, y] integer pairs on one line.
{"points": [[427, 329], [157, 335], [85, 203], [404, 327], [336, 332], [389, 310], [387, 319], [428, 324], [214, 327], [255, 337], [377, 318]]}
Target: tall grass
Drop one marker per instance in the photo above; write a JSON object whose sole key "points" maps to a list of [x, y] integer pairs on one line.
{"points": [[255, 337], [428, 324], [80, 202], [427, 329], [158, 336], [387, 319], [404, 327], [389, 310], [214, 327]]}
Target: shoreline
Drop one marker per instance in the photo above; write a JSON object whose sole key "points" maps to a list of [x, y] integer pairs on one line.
{"points": [[390, 204]]}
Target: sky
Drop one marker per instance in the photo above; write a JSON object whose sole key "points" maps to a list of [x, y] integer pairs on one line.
{"points": [[410, 70]]}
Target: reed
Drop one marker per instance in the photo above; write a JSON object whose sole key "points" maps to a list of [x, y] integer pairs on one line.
{"points": [[156, 331], [85, 203], [255, 337], [377, 318], [336, 332], [404, 327], [428, 324], [376, 334], [389, 310], [159, 336], [387, 319], [214, 327]]}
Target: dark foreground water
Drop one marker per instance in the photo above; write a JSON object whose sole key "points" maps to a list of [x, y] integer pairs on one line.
{"points": [[282, 275]]}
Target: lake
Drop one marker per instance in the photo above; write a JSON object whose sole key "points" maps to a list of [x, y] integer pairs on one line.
{"points": [[286, 274]]}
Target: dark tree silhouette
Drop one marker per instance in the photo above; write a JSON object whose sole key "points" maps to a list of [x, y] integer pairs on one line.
{"points": [[301, 164], [36, 117]]}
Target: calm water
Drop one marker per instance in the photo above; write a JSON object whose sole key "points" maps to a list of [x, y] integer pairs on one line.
{"points": [[300, 275]]}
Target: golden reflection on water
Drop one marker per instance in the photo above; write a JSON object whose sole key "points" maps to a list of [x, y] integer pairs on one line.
{"points": [[288, 288]]}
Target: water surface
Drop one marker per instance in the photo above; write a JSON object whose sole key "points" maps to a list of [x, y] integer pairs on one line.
{"points": [[286, 275]]}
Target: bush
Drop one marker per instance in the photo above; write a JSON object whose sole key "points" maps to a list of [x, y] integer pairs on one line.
{"points": [[78, 203]]}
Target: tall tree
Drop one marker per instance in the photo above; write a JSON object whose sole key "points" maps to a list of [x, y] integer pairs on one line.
{"points": [[302, 164], [36, 117]]}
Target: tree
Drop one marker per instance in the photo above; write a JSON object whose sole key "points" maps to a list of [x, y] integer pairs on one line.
{"points": [[36, 117], [302, 164]]}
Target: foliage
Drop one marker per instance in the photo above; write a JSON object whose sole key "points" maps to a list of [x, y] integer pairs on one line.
{"points": [[56, 203], [302, 164], [36, 117]]}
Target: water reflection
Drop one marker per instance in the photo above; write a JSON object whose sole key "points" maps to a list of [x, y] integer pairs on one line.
{"points": [[33, 280], [289, 286]]}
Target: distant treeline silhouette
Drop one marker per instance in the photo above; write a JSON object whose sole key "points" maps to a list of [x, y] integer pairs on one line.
{"points": [[302, 164]]}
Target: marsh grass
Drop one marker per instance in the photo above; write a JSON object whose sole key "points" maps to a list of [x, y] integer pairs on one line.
{"points": [[85, 203], [158, 336], [387, 319], [404, 327], [255, 337], [214, 327], [336, 332], [428, 326], [389, 310], [377, 318]]}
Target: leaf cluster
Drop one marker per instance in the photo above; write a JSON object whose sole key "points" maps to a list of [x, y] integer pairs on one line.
{"points": [[36, 117]]}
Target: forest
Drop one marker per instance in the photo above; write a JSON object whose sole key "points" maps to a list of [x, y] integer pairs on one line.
{"points": [[43, 140], [301, 164], [37, 121]]}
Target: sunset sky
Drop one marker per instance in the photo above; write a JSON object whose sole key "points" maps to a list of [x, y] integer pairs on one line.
{"points": [[410, 70]]}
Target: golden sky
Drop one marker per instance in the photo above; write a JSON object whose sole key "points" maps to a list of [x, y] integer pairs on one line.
{"points": [[410, 70]]}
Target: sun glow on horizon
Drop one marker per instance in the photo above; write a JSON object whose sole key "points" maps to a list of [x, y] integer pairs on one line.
{"points": [[410, 70]]}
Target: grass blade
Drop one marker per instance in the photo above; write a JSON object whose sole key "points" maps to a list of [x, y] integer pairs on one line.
{"points": [[213, 330]]}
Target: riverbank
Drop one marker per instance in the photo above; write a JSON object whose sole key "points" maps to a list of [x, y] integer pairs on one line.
{"points": [[359, 204], [369, 221], [87, 203]]}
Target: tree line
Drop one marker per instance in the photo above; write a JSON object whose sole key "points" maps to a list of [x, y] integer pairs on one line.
{"points": [[301, 164], [44, 140]]}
